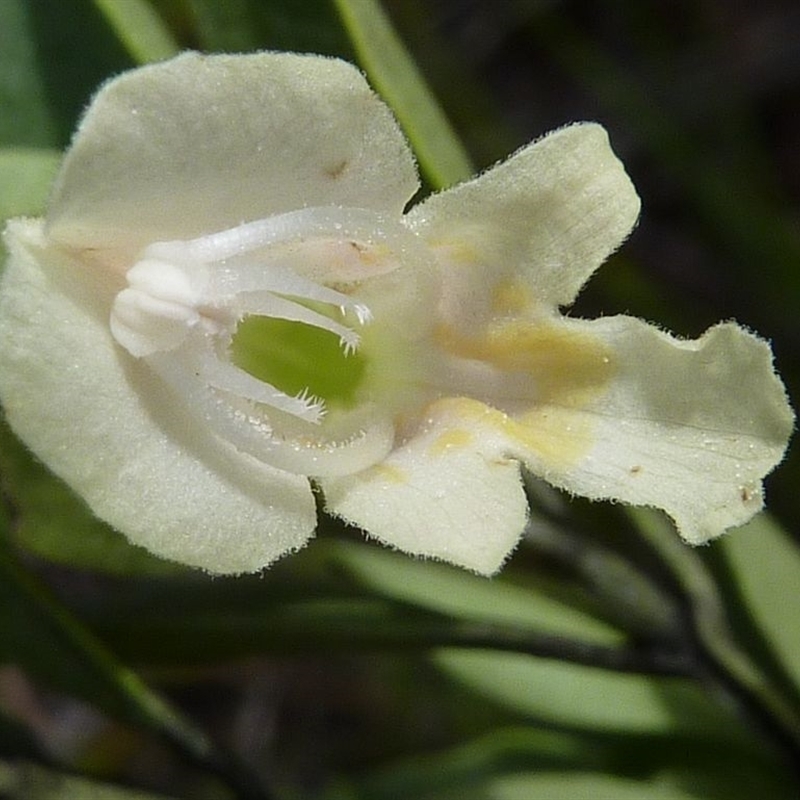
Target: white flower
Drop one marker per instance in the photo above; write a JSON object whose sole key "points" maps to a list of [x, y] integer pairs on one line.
{"points": [[226, 299]]}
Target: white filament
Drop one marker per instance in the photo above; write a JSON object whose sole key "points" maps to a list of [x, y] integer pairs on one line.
{"points": [[185, 298]]}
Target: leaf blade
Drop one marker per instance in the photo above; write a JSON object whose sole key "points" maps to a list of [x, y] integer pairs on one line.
{"points": [[140, 29], [398, 79]]}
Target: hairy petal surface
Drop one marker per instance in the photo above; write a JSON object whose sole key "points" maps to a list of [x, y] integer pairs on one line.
{"points": [[202, 143], [533, 228], [111, 430], [447, 493], [690, 427], [223, 224]]}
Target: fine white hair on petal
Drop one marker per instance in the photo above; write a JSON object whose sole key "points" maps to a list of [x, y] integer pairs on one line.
{"points": [[542, 221], [690, 427], [206, 190], [447, 493], [129, 450], [227, 276], [199, 143]]}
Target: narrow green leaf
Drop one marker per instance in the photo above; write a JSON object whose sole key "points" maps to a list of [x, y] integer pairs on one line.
{"points": [[736, 665], [228, 26], [520, 761], [139, 28], [597, 786], [454, 592], [26, 117], [164, 638], [44, 638], [765, 563], [26, 175], [733, 778], [53, 56], [586, 698], [167, 638], [396, 77], [475, 762]]}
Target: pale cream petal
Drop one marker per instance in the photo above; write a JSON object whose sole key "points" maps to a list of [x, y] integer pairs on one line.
{"points": [[448, 493], [691, 427], [104, 425], [530, 231], [201, 143]]}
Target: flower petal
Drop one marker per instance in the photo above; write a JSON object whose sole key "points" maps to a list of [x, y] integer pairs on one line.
{"points": [[202, 143], [448, 493], [532, 228], [690, 427], [110, 430]]}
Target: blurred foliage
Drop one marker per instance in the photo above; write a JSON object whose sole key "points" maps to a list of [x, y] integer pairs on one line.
{"points": [[609, 660]]}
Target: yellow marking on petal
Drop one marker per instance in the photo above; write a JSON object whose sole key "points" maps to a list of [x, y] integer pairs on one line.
{"points": [[455, 438], [389, 473], [456, 251], [558, 437], [569, 368], [510, 297]]}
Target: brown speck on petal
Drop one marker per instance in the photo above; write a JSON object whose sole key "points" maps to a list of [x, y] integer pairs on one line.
{"points": [[337, 170]]}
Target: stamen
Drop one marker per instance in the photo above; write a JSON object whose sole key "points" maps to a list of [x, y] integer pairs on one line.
{"points": [[224, 375], [246, 278], [265, 304], [186, 300], [251, 431], [301, 225]]}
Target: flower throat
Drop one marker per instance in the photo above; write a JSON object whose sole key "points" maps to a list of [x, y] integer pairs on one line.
{"points": [[258, 328], [298, 359]]}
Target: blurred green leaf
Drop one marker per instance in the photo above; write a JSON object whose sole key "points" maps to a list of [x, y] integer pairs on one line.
{"points": [[457, 593], [765, 565], [25, 114], [397, 78], [60, 52], [501, 751], [43, 638], [516, 756], [26, 175], [158, 636], [48, 642], [139, 28], [587, 698], [734, 661], [228, 26], [23, 781], [597, 786], [302, 26], [54, 524], [731, 779]]}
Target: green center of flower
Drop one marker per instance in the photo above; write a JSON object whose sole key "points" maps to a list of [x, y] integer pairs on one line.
{"points": [[298, 359]]}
